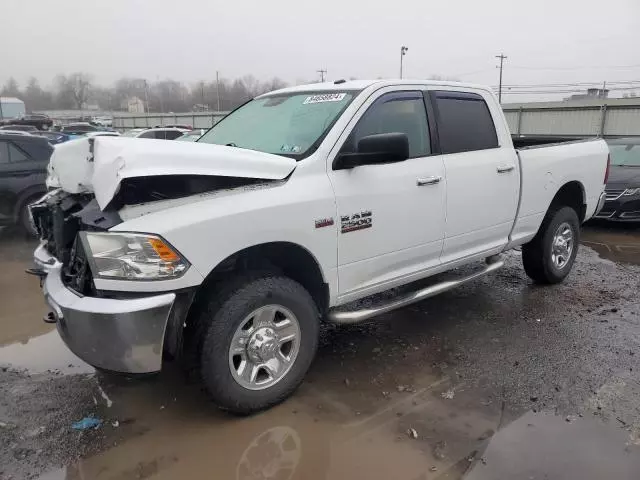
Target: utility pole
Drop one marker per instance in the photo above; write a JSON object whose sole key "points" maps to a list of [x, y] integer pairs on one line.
{"points": [[160, 93], [146, 95], [322, 73], [502, 58], [403, 52], [218, 89]]}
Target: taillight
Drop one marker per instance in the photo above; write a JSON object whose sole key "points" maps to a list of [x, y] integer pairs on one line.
{"points": [[606, 173]]}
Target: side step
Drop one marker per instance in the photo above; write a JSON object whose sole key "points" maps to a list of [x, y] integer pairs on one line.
{"points": [[356, 316]]}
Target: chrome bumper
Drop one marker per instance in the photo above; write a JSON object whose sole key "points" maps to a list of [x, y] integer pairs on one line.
{"points": [[118, 335]]}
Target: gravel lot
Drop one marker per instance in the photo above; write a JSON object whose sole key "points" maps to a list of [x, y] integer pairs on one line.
{"points": [[498, 379]]}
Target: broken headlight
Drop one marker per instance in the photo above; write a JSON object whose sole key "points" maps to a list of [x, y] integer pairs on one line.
{"points": [[132, 256]]}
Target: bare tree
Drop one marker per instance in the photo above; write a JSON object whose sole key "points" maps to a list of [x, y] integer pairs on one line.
{"points": [[74, 90], [80, 87], [11, 88], [35, 98]]}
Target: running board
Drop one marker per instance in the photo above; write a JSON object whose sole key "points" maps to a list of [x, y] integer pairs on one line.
{"points": [[356, 316]]}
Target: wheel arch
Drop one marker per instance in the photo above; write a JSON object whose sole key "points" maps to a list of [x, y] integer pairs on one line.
{"points": [[290, 259], [571, 194]]}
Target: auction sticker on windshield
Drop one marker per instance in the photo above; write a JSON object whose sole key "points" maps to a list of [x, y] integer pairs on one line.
{"points": [[325, 97]]}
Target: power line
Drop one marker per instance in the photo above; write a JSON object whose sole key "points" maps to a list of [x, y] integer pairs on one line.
{"points": [[570, 84], [583, 67]]}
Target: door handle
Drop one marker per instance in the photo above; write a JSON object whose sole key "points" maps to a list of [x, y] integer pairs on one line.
{"points": [[505, 168], [420, 182]]}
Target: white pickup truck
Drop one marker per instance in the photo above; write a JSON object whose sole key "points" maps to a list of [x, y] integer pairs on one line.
{"points": [[229, 252]]}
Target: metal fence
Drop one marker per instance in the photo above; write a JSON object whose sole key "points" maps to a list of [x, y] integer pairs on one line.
{"points": [[144, 120], [607, 117], [611, 117]]}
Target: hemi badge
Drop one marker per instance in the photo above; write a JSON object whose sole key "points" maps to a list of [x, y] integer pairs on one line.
{"points": [[324, 222]]}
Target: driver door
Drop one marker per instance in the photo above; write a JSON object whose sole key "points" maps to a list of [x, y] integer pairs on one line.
{"points": [[392, 216]]}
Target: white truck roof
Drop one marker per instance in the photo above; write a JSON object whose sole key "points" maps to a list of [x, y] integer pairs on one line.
{"points": [[362, 84]]}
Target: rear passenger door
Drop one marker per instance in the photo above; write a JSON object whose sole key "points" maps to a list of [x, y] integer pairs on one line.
{"points": [[482, 176]]}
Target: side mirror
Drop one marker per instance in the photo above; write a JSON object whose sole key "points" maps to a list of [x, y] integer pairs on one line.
{"points": [[375, 149]]}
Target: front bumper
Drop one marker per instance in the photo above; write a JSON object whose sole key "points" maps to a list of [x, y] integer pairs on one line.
{"points": [[121, 335], [621, 210]]}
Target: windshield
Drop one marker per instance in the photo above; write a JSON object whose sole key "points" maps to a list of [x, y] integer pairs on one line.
{"points": [[625, 155], [292, 125]]}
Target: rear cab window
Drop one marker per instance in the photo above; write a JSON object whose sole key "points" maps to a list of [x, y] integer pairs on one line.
{"points": [[464, 122]]}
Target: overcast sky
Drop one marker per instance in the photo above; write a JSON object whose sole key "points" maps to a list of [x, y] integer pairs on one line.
{"points": [[547, 41]]}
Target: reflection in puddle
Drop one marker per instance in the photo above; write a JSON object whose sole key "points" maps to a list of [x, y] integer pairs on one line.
{"points": [[42, 354], [274, 453], [534, 446]]}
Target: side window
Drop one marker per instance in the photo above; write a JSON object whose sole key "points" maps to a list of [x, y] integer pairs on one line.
{"points": [[172, 135], [151, 134], [397, 112], [4, 153], [16, 155], [161, 134], [464, 122]]}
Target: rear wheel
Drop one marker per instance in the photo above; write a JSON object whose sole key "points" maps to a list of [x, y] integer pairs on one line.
{"points": [[549, 257], [259, 340]]}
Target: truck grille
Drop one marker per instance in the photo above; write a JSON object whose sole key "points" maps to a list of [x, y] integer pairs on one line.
{"points": [[613, 193], [58, 228]]}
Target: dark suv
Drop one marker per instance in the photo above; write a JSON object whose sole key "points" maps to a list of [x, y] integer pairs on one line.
{"points": [[23, 171]]}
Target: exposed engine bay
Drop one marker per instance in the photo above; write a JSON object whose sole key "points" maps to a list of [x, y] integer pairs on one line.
{"points": [[59, 216]]}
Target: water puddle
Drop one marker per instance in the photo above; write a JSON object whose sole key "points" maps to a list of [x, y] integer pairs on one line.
{"points": [[45, 353], [540, 446], [619, 243]]}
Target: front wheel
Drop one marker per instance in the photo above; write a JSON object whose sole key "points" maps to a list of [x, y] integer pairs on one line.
{"points": [[260, 339], [548, 258]]}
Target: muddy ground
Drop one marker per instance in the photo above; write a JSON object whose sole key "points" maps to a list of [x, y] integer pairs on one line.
{"points": [[499, 379]]}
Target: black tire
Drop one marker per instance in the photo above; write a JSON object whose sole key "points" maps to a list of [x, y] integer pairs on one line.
{"points": [[218, 319], [537, 254]]}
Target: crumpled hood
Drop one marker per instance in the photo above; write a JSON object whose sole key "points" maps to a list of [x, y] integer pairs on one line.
{"points": [[100, 164]]}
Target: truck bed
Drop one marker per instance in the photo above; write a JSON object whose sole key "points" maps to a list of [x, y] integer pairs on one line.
{"points": [[546, 167]]}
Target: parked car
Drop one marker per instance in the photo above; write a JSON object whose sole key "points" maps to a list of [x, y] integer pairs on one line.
{"points": [[163, 133], [23, 170], [102, 133], [175, 125], [229, 253], [191, 135], [37, 120], [56, 137], [19, 128], [623, 187], [14, 132], [102, 121], [78, 128]]}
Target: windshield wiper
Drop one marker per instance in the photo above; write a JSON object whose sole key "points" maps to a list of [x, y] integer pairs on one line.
{"points": [[230, 144]]}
